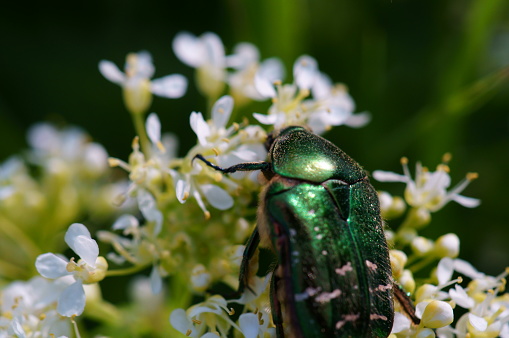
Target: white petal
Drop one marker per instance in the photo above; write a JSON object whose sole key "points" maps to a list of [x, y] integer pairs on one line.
{"points": [[243, 55], [87, 249], [445, 270], [171, 86], [43, 136], [264, 85], [467, 202], [181, 190], [322, 86], [95, 157], [209, 335], [401, 323], [156, 281], [200, 127], [153, 127], [111, 72], [249, 325], [125, 222], [221, 111], [51, 266], [265, 119], [467, 269], [480, 324], [75, 230], [189, 49], [148, 208], [17, 328], [143, 67], [214, 48], [388, 176], [72, 300], [358, 120], [272, 69], [217, 197], [305, 70], [181, 322], [460, 296]]}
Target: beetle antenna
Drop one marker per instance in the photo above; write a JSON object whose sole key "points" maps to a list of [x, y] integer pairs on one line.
{"points": [[210, 164], [249, 166]]}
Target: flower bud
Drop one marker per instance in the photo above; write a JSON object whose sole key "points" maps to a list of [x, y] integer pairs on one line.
{"points": [[447, 246], [398, 261], [425, 333], [200, 278], [437, 314], [425, 291], [421, 246], [407, 281]]}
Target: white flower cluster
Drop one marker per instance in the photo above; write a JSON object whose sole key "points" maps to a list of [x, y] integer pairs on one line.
{"points": [[198, 248], [330, 106]]}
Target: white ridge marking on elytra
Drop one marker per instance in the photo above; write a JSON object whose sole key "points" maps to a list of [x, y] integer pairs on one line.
{"points": [[344, 269], [325, 297], [375, 316], [372, 266], [347, 318]]}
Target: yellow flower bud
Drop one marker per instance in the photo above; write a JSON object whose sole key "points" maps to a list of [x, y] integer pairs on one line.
{"points": [[437, 314], [447, 246]]}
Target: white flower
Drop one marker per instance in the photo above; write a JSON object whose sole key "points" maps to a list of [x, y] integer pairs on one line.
{"points": [[91, 268], [213, 313], [136, 84], [429, 189], [246, 65], [330, 105], [230, 145], [437, 314], [66, 151], [206, 54], [27, 309], [256, 325]]}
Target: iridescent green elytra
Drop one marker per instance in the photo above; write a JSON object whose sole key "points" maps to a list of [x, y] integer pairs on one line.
{"points": [[320, 216]]}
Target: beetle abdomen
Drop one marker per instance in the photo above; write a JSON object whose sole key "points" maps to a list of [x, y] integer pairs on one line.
{"points": [[331, 287]]}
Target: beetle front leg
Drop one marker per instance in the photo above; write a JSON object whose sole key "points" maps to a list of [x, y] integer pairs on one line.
{"points": [[275, 305], [251, 245]]}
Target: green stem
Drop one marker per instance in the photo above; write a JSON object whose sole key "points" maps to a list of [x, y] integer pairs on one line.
{"points": [[25, 243], [139, 126], [421, 264], [126, 271]]}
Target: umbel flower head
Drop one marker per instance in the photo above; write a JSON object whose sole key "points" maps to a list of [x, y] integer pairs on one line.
{"points": [[91, 268]]}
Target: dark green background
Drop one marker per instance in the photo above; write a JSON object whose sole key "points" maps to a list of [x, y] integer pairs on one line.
{"points": [[402, 60]]}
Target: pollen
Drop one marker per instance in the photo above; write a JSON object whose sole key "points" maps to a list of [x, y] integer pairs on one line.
{"points": [[472, 176]]}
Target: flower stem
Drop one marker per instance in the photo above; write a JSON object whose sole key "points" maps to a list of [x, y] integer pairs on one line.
{"points": [[139, 127]]}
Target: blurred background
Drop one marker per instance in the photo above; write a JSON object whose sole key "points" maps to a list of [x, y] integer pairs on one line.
{"points": [[433, 74]]}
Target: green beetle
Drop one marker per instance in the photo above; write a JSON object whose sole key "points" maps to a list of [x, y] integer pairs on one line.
{"points": [[321, 217]]}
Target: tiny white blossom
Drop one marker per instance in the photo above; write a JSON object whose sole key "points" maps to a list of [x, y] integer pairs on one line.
{"points": [[28, 309], [229, 144], [330, 105], [91, 268], [429, 189], [136, 83], [246, 65], [193, 324], [206, 54]]}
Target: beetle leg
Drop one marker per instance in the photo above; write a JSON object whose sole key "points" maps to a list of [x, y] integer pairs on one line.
{"points": [[275, 304], [251, 245], [405, 302], [248, 166]]}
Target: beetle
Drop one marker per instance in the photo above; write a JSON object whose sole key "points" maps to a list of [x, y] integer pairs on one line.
{"points": [[320, 216]]}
